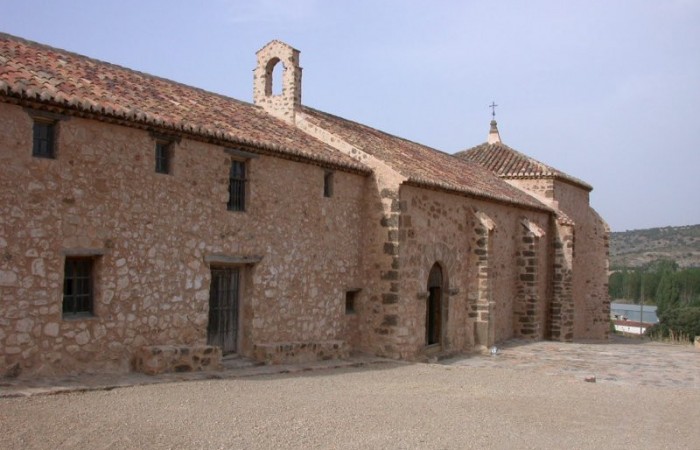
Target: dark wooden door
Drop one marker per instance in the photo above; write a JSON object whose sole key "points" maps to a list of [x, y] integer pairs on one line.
{"points": [[433, 310], [433, 316], [223, 309]]}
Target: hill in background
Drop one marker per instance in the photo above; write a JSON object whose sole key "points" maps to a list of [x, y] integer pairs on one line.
{"points": [[636, 248]]}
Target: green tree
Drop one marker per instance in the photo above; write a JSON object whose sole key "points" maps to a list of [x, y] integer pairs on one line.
{"points": [[616, 285], [679, 322], [649, 282], [689, 285], [667, 294], [632, 285], [664, 284]]}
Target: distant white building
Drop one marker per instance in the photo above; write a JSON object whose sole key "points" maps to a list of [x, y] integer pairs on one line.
{"points": [[634, 312], [632, 319], [630, 327]]}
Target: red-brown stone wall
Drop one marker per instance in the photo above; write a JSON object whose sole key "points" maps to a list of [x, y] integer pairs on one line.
{"points": [[153, 232], [440, 227], [589, 291], [590, 264]]}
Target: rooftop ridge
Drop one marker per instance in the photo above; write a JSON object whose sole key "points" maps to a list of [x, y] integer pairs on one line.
{"points": [[544, 170], [32, 43], [377, 130], [44, 75], [413, 161]]}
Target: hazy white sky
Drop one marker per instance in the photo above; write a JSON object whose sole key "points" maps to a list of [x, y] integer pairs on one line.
{"points": [[605, 90]]}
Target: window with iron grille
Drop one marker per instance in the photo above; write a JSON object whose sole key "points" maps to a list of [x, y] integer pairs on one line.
{"points": [[163, 150], [328, 184], [237, 186], [43, 139], [78, 287]]}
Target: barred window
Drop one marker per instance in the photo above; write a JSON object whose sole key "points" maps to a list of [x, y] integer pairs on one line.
{"points": [[237, 186], [78, 287], [163, 150], [43, 139]]}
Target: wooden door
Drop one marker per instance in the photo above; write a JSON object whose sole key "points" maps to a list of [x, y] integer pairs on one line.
{"points": [[433, 310], [222, 330]]}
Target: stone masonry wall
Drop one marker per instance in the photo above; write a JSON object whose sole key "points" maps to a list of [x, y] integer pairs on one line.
{"points": [[444, 228], [589, 292], [280, 104], [434, 229], [562, 306], [590, 276], [377, 307], [541, 188], [531, 308], [480, 296], [156, 359], [150, 234], [375, 302]]}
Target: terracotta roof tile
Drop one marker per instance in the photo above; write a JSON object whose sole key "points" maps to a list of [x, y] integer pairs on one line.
{"points": [[34, 72], [423, 165], [509, 163]]}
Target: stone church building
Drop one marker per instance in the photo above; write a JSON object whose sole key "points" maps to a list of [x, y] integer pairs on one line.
{"points": [[148, 225]]}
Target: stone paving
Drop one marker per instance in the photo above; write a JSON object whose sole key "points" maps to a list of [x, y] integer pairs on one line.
{"points": [[620, 361]]}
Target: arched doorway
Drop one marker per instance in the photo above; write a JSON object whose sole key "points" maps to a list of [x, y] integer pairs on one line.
{"points": [[433, 307]]}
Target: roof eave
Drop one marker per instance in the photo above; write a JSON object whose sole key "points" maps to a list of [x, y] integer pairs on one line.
{"points": [[140, 119], [559, 175], [569, 180], [426, 184]]}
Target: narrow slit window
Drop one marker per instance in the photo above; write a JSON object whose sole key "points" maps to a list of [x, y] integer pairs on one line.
{"points": [[350, 297], [163, 156], [44, 139], [237, 186], [328, 184]]}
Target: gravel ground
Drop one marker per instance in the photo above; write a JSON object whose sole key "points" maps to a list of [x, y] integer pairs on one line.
{"points": [[391, 405]]}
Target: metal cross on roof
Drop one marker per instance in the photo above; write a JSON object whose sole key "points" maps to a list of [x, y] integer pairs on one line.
{"points": [[493, 109]]}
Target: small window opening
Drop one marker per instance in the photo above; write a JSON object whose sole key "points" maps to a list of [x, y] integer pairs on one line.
{"points": [[277, 78], [328, 184], [350, 297], [237, 186], [44, 139], [78, 287], [163, 156]]}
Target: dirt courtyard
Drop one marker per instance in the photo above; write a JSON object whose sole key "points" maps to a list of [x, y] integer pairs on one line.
{"points": [[525, 397]]}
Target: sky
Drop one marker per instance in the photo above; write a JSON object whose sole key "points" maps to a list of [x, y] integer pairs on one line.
{"points": [[605, 90]]}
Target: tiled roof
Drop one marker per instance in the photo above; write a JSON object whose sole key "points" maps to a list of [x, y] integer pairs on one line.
{"points": [[508, 163], [423, 165], [41, 75]]}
